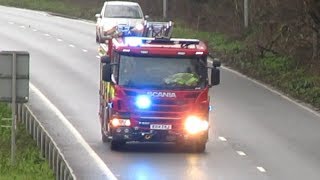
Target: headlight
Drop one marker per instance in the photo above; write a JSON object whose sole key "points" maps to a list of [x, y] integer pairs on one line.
{"points": [[120, 122], [194, 125], [143, 102], [139, 27], [109, 29]]}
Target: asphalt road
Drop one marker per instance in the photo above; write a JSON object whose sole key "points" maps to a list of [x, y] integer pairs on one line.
{"points": [[256, 133]]}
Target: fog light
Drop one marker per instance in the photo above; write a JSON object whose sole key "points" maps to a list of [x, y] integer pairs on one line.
{"points": [[120, 122]]}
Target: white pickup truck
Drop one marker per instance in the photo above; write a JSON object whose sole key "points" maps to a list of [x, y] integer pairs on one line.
{"points": [[115, 14]]}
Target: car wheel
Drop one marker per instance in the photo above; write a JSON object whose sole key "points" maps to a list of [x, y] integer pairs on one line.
{"points": [[104, 137], [97, 38], [198, 147], [116, 145], [105, 127]]}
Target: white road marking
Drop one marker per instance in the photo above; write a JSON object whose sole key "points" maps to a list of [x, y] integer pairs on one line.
{"points": [[261, 169], [98, 57], [53, 141], [22, 27], [241, 153], [274, 91], [11, 23], [47, 35], [59, 40], [76, 134], [34, 30], [84, 50], [71, 45], [222, 139]]}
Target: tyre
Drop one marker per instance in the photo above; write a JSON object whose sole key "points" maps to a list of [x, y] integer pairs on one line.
{"points": [[104, 137], [97, 38], [116, 145], [105, 126], [198, 147]]}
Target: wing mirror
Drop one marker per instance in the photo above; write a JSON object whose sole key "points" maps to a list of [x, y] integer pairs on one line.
{"points": [[215, 76], [216, 63], [98, 16], [105, 60]]}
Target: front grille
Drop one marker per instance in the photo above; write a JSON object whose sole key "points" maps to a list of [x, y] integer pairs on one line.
{"points": [[168, 108], [169, 102]]}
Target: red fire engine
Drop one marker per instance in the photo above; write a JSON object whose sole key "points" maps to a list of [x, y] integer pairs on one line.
{"points": [[154, 88]]}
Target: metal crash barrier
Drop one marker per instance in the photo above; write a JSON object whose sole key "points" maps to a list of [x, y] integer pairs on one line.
{"points": [[45, 142]]}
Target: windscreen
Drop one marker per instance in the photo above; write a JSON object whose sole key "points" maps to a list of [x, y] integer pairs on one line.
{"points": [[121, 11], [162, 72]]}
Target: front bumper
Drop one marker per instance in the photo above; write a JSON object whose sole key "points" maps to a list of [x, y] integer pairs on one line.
{"points": [[129, 134]]}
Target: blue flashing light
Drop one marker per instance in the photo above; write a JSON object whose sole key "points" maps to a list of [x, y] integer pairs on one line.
{"points": [[133, 41], [143, 102]]}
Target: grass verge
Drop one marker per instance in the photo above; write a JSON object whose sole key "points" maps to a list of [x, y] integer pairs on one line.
{"points": [[29, 164], [284, 73], [278, 71]]}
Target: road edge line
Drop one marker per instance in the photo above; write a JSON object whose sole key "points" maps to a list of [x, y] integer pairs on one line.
{"points": [[77, 135], [281, 94]]}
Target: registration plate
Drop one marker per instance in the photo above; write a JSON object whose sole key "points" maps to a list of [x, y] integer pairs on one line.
{"points": [[160, 126]]}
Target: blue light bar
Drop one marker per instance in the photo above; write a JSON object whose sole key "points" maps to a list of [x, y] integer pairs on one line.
{"points": [[133, 41], [143, 102]]}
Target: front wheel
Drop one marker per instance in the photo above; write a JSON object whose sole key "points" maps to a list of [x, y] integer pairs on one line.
{"points": [[116, 145], [198, 147], [104, 137]]}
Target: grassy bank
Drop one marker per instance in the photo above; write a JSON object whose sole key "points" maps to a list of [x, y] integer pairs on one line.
{"points": [[281, 72], [284, 73], [29, 164]]}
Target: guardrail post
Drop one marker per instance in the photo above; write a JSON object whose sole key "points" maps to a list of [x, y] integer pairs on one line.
{"points": [[41, 144], [58, 168], [30, 123], [46, 148], [26, 121], [54, 159], [50, 154], [38, 143], [65, 174], [35, 124], [62, 169]]}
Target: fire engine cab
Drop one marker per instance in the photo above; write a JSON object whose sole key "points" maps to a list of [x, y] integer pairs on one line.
{"points": [[154, 88]]}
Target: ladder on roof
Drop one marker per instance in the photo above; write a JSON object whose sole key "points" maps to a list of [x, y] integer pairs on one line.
{"points": [[158, 29]]}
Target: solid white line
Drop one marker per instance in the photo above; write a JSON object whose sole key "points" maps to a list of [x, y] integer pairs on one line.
{"points": [[98, 57], [11, 23], [274, 91], [71, 45], [34, 30], [53, 141], [22, 27], [73, 130], [261, 169], [222, 139], [84, 50], [47, 35], [241, 153], [59, 40], [270, 89]]}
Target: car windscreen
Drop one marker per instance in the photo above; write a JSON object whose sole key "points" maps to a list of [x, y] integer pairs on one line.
{"points": [[122, 11], [162, 72]]}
